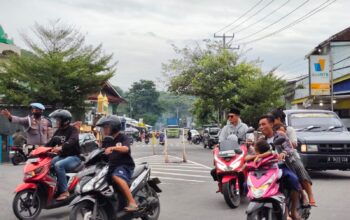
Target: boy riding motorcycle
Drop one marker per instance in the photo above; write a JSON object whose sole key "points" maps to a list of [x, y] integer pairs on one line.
{"points": [[121, 164]]}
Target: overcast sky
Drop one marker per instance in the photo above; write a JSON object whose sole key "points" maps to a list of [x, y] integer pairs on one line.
{"points": [[140, 32]]}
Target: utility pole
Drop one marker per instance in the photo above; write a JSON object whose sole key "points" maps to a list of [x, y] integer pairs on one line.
{"points": [[224, 46]]}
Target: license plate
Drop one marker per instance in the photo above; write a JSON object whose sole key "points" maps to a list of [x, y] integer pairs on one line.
{"points": [[12, 154], [337, 160]]}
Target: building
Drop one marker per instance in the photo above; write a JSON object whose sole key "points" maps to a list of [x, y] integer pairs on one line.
{"points": [[336, 51]]}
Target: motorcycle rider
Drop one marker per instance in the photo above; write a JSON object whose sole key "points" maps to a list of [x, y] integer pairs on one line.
{"points": [[68, 149], [234, 126], [121, 164], [37, 127], [266, 124]]}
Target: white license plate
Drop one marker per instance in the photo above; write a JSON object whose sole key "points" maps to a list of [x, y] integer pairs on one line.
{"points": [[337, 159]]}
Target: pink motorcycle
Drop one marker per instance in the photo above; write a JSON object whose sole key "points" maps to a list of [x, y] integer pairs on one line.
{"points": [[267, 202]]}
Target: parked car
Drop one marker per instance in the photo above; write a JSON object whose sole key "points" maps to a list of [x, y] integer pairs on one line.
{"points": [[323, 140], [211, 136]]}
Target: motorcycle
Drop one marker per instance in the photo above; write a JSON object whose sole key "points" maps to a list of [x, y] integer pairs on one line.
{"points": [[98, 198], [40, 185], [20, 154], [269, 199], [229, 159], [196, 139]]}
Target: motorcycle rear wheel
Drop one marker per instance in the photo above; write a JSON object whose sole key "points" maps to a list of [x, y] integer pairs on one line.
{"points": [[83, 210], [154, 214], [26, 201], [232, 199]]}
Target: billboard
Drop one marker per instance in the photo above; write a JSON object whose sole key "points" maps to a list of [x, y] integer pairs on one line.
{"points": [[319, 75]]}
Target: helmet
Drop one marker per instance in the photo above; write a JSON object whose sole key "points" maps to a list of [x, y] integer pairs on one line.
{"points": [[38, 106], [112, 121], [64, 116]]}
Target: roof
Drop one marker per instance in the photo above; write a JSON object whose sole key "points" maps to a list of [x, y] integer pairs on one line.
{"points": [[343, 35], [111, 93], [307, 111]]}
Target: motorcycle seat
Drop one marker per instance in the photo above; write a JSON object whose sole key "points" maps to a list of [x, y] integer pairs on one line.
{"points": [[138, 170], [77, 169]]}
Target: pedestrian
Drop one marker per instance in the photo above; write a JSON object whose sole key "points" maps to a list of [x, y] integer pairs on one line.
{"points": [[189, 136], [38, 128]]}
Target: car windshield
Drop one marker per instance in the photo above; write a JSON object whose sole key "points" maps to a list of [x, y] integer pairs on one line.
{"points": [[214, 131], [315, 121]]}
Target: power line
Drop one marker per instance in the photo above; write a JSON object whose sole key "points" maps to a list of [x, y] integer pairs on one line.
{"points": [[309, 14], [263, 18], [346, 58], [244, 14], [248, 18], [275, 22]]}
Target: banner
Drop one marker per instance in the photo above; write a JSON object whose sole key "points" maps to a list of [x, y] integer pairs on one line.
{"points": [[319, 75]]}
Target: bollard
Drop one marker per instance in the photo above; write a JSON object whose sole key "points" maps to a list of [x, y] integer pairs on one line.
{"points": [[154, 141], [166, 156], [184, 158]]}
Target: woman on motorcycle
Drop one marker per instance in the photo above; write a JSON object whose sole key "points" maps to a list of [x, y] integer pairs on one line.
{"points": [[67, 149]]}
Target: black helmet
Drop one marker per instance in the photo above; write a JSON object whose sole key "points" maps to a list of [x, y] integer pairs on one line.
{"points": [[112, 121], [64, 116]]}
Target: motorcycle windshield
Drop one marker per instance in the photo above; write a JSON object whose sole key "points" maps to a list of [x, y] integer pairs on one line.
{"points": [[228, 145]]}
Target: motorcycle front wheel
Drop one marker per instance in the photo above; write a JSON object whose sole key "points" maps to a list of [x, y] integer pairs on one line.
{"points": [[84, 210], [231, 197], [26, 204]]}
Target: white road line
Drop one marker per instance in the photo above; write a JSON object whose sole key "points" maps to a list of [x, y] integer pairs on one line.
{"points": [[145, 157], [179, 179], [180, 174], [173, 163], [196, 163], [165, 169], [177, 166]]}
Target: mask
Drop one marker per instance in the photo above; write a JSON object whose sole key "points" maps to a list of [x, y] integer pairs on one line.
{"points": [[37, 114]]}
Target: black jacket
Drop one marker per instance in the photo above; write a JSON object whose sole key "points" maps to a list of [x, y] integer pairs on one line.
{"points": [[69, 139]]}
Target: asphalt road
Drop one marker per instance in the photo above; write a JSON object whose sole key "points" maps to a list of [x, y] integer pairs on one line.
{"points": [[188, 190]]}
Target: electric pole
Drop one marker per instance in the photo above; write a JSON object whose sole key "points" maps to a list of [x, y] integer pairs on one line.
{"points": [[224, 41]]}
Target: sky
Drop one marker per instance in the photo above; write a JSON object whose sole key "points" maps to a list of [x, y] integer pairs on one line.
{"points": [[140, 33]]}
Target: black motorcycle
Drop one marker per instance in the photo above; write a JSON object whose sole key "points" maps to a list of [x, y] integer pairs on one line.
{"points": [[17, 154], [100, 199]]}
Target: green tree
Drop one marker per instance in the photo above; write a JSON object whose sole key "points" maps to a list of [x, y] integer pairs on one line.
{"points": [[218, 78], [60, 69], [143, 100]]}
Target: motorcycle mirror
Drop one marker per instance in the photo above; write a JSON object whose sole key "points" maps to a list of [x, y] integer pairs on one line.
{"points": [[250, 130], [279, 141]]}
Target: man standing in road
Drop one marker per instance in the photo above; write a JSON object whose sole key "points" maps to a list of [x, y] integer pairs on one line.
{"points": [[234, 126], [37, 127]]}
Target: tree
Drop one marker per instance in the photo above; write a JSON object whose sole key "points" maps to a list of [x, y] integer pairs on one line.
{"points": [[143, 100], [60, 69], [218, 78]]}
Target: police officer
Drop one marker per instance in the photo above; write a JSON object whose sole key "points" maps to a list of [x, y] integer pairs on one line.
{"points": [[37, 127]]}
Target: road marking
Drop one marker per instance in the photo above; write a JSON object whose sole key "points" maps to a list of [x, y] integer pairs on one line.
{"points": [[180, 179], [165, 169], [180, 174], [176, 166], [195, 163]]}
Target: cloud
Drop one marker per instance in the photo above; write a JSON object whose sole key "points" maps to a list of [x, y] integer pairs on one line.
{"points": [[140, 33]]}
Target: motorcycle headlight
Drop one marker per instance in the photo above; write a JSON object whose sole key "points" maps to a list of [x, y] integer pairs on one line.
{"points": [[33, 173], [259, 191]]}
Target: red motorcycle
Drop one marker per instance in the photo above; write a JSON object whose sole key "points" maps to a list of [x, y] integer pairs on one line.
{"points": [[229, 161], [40, 185]]}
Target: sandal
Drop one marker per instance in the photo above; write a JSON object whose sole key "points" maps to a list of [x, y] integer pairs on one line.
{"points": [[313, 204], [131, 208], [63, 196]]}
